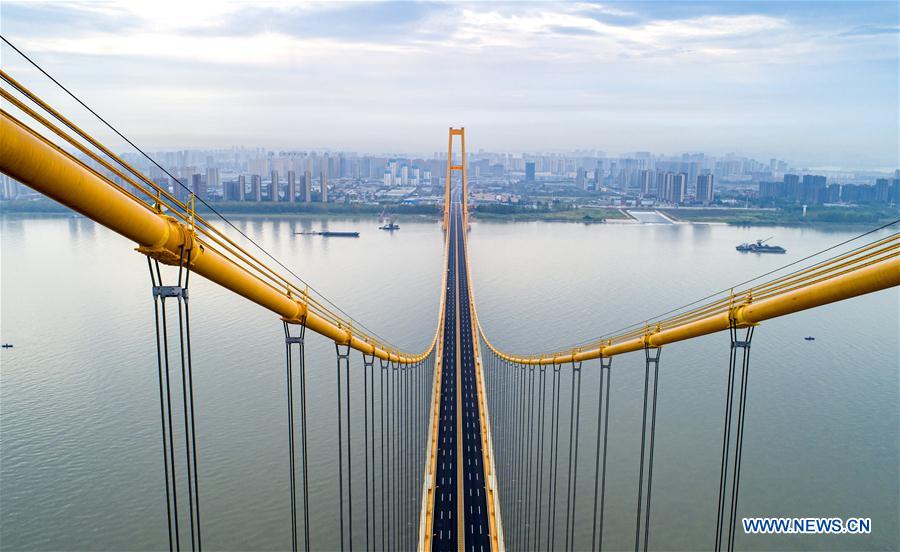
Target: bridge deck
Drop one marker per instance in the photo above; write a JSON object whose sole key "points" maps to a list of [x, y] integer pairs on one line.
{"points": [[460, 516]]}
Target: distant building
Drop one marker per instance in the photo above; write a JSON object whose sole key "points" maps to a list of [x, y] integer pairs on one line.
{"points": [[679, 188], [705, 192], [529, 171], [307, 187], [664, 182], [812, 189], [323, 185], [882, 190], [256, 187], [273, 186], [770, 190], [291, 186], [646, 181], [197, 186], [212, 178], [581, 178], [791, 187], [233, 190]]}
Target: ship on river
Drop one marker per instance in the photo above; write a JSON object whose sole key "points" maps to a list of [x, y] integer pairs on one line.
{"points": [[760, 247]]}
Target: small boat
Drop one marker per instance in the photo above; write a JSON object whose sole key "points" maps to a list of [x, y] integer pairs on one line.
{"points": [[760, 247], [330, 234], [7, 346], [390, 227], [809, 338]]}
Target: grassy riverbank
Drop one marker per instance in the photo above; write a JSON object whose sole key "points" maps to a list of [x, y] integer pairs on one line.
{"points": [[815, 216]]}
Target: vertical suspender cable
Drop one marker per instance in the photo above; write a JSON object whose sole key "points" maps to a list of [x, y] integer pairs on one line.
{"points": [[530, 473], [290, 405], [652, 442], [542, 376], [188, 395], [340, 449], [739, 445], [381, 435], [602, 403], [162, 402], [303, 447], [554, 456], [366, 364], [574, 419], [637, 528]]}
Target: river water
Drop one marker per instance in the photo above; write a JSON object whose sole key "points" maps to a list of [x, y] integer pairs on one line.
{"points": [[80, 447]]}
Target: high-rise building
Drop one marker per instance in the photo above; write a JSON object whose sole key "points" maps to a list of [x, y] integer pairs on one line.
{"points": [[273, 186], [323, 185], [581, 178], [241, 187], [679, 188], [256, 187], [705, 193], [307, 186], [791, 187], [529, 171], [882, 190], [664, 183], [212, 178], [231, 190], [404, 176], [646, 180], [812, 189], [197, 186], [291, 186]]}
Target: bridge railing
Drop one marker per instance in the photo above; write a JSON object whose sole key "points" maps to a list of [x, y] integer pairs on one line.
{"points": [[865, 269], [65, 163]]}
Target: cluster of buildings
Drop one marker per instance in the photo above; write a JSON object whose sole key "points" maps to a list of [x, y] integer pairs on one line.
{"points": [[813, 189], [641, 178]]}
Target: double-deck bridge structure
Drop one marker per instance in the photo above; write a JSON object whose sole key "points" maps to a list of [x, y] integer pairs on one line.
{"points": [[462, 441]]}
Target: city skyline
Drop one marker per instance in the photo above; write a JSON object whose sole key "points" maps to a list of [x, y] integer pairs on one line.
{"points": [[813, 82]]}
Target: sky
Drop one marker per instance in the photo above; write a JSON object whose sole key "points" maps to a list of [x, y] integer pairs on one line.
{"points": [[813, 83]]}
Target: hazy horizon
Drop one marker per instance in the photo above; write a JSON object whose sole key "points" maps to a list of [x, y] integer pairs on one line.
{"points": [[813, 83]]}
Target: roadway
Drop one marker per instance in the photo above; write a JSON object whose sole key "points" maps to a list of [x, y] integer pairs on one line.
{"points": [[460, 503]]}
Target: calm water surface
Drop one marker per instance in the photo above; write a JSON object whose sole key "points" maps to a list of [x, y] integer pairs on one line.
{"points": [[80, 448]]}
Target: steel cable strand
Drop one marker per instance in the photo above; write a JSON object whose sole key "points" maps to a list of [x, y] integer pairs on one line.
{"points": [[381, 435], [340, 451], [739, 445], [366, 440], [520, 465], [153, 161], [637, 529], [303, 441], [187, 397], [165, 333], [554, 459], [162, 407], [605, 366], [652, 443], [542, 376], [290, 405], [530, 467], [573, 478], [723, 466]]}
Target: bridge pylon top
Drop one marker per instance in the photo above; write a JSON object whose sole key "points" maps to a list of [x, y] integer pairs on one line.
{"points": [[461, 168]]}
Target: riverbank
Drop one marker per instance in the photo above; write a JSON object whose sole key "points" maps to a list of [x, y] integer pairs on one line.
{"points": [[865, 216], [815, 216]]}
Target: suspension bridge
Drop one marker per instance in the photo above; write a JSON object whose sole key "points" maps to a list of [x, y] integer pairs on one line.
{"points": [[461, 440]]}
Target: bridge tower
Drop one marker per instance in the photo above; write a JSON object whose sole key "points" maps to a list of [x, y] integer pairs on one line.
{"points": [[461, 132]]}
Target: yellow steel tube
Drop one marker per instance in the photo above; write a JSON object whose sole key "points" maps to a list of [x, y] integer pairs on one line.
{"points": [[875, 277], [41, 165]]}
